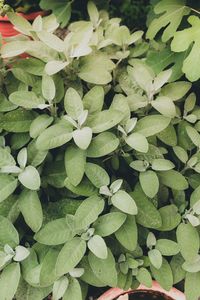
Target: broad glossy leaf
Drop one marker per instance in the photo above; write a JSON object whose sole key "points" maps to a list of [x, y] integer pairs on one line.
{"points": [[75, 162], [149, 183], [109, 223], [102, 144], [55, 232], [88, 211], [54, 136], [124, 202], [9, 281], [104, 269], [70, 255], [188, 240], [138, 142], [127, 234], [31, 209], [151, 125], [97, 175], [98, 247]]}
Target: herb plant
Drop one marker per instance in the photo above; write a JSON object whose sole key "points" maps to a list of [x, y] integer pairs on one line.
{"points": [[99, 162]]}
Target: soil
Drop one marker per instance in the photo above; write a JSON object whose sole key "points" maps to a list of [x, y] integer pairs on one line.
{"points": [[148, 295]]}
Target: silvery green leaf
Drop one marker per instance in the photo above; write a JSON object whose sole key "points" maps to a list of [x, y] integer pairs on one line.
{"points": [[144, 277], [77, 272], [124, 202], [104, 190], [121, 129], [196, 207], [165, 106], [6, 159], [104, 120], [173, 179], [8, 250], [74, 290], [152, 124], [192, 267], [97, 175], [98, 246], [97, 93], [21, 253], [22, 158], [139, 165], [82, 137], [8, 184], [161, 79], [191, 118], [13, 49], [59, 288], [193, 135], [20, 23], [181, 153], [93, 13], [127, 234], [43, 106], [192, 161], [37, 24], [55, 66], [73, 103], [51, 40], [190, 102], [192, 288], [116, 185], [10, 169], [130, 124], [48, 87], [82, 118], [8, 233], [193, 220], [167, 247], [30, 178], [163, 275], [40, 124], [176, 90], [162, 165], [155, 258], [26, 99], [149, 183], [109, 223], [138, 142], [134, 37], [151, 240], [4, 259], [71, 121], [9, 281]]}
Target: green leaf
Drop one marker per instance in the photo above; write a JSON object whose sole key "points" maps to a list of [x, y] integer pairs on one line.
{"points": [[168, 136], [192, 288], [82, 137], [176, 266], [27, 292], [30, 178], [93, 101], [127, 234], [181, 154], [51, 40], [170, 14], [167, 247], [59, 288], [5, 105], [170, 217], [96, 69], [151, 125], [6, 159], [32, 66], [48, 88], [55, 66], [182, 41], [88, 212], [85, 188], [188, 240], [8, 184], [73, 103], [173, 180], [20, 23], [13, 49], [193, 135], [124, 202], [104, 269], [103, 144], [98, 247], [24, 77], [55, 232], [26, 99], [138, 142], [104, 120], [109, 223], [75, 249], [17, 121], [164, 275], [22, 158], [88, 275], [8, 233], [75, 163], [97, 175], [9, 281], [165, 106], [148, 216], [155, 258], [39, 125], [149, 183], [47, 273], [176, 90], [54, 136], [31, 209], [144, 277], [162, 165], [73, 290]]}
